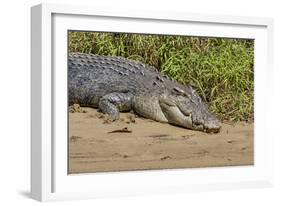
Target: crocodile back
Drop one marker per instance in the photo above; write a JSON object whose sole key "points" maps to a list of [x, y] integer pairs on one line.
{"points": [[94, 76]]}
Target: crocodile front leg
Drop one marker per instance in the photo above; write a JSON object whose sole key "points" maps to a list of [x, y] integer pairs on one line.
{"points": [[114, 103]]}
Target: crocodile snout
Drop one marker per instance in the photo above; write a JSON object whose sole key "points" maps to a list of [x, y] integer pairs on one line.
{"points": [[212, 126]]}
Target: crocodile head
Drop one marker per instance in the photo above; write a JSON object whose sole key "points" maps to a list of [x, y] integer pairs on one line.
{"points": [[184, 107]]}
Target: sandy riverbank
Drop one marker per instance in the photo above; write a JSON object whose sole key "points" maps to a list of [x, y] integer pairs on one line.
{"points": [[151, 145]]}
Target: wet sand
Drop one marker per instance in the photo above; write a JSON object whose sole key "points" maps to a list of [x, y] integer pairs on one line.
{"points": [[132, 143]]}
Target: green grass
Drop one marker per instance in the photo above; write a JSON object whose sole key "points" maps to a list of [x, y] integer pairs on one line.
{"points": [[221, 70]]}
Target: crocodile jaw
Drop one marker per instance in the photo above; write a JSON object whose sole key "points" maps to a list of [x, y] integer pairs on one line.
{"points": [[148, 107], [166, 110], [175, 116]]}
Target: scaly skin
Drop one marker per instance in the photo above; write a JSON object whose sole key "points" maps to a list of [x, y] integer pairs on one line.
{"points": [[116, 84]]}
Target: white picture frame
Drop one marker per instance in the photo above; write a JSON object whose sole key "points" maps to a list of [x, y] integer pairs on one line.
{"points": [[49, 179]]}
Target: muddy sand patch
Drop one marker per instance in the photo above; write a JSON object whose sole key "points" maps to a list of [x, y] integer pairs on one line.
{"points": [[97, 144]]}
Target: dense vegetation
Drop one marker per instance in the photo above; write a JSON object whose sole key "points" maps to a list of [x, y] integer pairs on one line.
{"points": [[220, 69]]}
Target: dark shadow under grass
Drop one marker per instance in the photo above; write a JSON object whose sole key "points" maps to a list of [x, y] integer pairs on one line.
{"points": [[221, 70]]}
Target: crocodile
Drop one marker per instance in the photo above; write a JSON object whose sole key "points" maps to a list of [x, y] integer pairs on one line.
{"points": [[116, 84]]}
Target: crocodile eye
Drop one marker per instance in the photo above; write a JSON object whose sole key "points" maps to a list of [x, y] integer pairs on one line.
{"points": [[178, 91]]}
